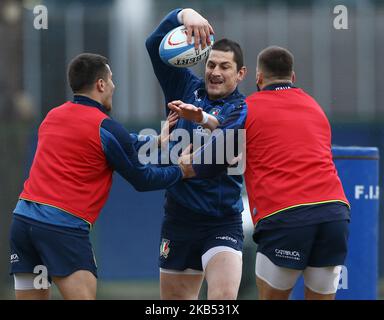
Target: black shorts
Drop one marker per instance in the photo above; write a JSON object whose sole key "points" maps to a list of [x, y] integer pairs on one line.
{"points": [[318, 245], [185, 237], [61, 250]]}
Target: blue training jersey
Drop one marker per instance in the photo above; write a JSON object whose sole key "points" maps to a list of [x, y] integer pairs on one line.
{"points": [[220, 195]]}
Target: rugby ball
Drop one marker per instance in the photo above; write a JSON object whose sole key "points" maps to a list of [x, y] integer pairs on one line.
{"points": [[175, 51]]}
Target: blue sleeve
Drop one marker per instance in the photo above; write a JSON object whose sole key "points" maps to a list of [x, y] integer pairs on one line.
{"points": [[173, 81], [217, 144], [119, 149], [139, 140]]}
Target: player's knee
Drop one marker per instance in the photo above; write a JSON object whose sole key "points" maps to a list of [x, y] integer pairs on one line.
{"points": [[223, 288], [227, 293]]}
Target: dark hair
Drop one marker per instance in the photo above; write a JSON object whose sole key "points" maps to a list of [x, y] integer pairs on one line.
{"points": [[85, 69], [227, 45], [275, 62]]}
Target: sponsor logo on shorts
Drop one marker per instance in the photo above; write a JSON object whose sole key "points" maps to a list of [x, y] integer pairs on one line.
{"points": [[227, 238], [287, 254], [164, 248], [14, 258]]}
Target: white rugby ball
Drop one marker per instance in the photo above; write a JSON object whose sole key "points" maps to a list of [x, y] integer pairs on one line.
{"points": [[175, 51]]}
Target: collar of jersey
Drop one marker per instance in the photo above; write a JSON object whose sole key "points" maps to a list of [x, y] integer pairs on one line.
{"points": [[83, 100], [273, 86]]}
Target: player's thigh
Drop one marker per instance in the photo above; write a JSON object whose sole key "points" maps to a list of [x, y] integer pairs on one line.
{"points": [[224, 242], [273, 281], [222, 260], [180, 285], [80, 285], [223, 273], [26, 287], [321, 283]]}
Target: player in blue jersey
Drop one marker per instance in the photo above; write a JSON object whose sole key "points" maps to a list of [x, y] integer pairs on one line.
{"points": [[202, 234]]}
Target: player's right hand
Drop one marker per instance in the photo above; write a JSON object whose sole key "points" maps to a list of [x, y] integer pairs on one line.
{"points": [[197, 26], [186, 110]]}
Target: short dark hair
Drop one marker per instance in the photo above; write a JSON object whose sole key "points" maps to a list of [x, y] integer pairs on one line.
{"points": [[275, 62], [85, 69], [227, 45]]}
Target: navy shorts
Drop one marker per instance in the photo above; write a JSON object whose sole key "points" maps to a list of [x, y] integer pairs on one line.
{"points": [[186, 236], [61, 250], [318, 245]]}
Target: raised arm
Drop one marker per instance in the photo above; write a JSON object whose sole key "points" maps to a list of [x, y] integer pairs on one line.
{"points": [[174, 81]]}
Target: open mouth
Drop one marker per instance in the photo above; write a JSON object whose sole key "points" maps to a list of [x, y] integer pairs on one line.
{"points": [[216, 81]]}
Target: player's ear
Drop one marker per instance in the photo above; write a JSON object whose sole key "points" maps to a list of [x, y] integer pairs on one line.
{"points": [[241, 74], [259, 77], [293, 77], [100, 85]]}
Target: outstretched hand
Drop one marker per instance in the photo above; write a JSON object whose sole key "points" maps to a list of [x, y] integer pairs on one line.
{"points": [[197, 26], [186, 111], [172, 118]]}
